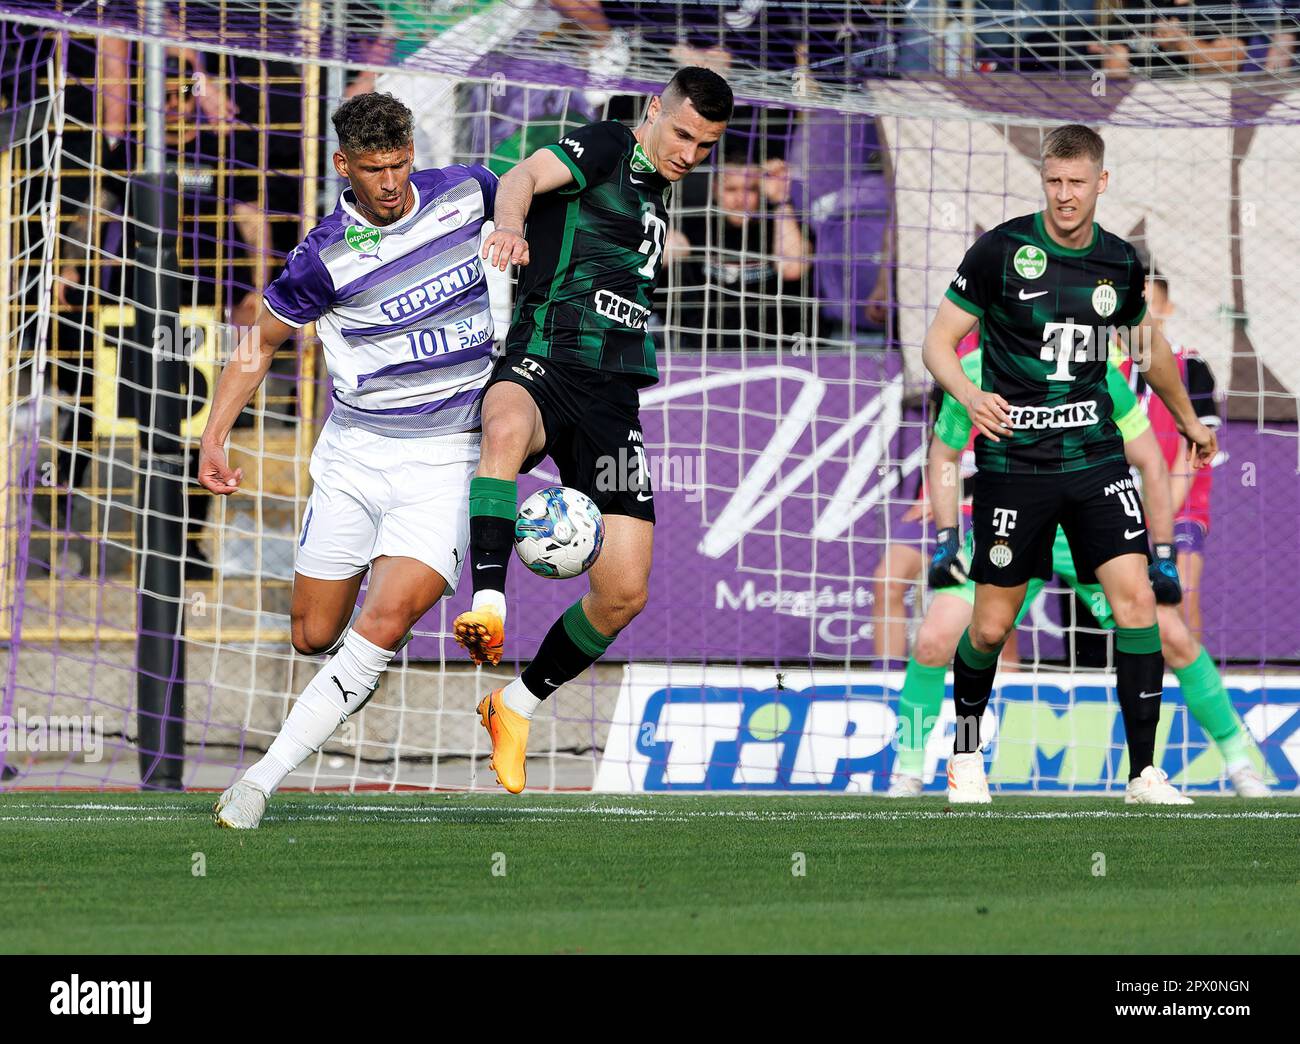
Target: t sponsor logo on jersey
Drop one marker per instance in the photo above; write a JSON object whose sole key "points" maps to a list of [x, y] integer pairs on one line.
{"points": [[573, 146], [362, 239], [1030, 261], [433, 290], [1067, 342], [621, 310], [1071, 415], [1105, 300], [1004, 520]]}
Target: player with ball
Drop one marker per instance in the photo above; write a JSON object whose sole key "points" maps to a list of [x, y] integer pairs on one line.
{"points": [[567, 385]]}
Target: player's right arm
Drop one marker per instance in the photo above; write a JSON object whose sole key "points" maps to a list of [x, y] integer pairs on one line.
{"points": [[582, 157], [300, 294], [239, 380], [543, 171], [962, 306]]}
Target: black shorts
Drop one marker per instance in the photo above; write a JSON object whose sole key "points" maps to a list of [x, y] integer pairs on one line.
{"points": [[1014, 520], [592, 422]]}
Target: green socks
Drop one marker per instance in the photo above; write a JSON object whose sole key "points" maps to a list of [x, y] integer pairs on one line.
{"points": [[1208, 701], [919, 705]]}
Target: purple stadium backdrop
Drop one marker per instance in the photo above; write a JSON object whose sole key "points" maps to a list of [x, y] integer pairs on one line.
{"points": [[731, 604]]}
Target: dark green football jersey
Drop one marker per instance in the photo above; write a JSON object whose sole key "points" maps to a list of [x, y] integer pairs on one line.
{"points": [[1048, 316], [596, 254]]}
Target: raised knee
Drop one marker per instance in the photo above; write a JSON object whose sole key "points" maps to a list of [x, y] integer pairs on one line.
{"points": [[308, 636], [625, 605]]}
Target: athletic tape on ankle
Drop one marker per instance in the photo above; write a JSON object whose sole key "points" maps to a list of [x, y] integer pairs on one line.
{"points": [[495, 497], [584, 635], [972, 657], [1138, 639]]}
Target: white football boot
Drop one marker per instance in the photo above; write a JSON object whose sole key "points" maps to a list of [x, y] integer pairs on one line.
{"points": [[967, 784], [905, 786], [1152, 788], [241, 807], [1248, 783]]}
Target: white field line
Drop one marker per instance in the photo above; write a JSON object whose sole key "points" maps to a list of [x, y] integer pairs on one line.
{"points": [[343, 810]]}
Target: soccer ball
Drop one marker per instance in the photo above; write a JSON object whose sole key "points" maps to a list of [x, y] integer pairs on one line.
{"points": [[559, 532]]}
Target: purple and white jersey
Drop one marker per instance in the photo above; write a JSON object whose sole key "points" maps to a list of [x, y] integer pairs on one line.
{"points": [[402, 310]]}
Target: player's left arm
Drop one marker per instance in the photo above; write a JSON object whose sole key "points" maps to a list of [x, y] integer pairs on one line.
{"points": [[1162, 374]]}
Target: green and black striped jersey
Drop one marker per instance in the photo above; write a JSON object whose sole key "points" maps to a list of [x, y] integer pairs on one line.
{"points": [[596, 253], [1048, 316]]}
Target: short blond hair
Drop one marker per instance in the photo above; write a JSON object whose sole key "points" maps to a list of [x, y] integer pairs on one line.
{"points": [[1072, 141]]}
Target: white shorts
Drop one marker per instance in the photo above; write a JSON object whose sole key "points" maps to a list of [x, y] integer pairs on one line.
{"points": [[373, 495]]}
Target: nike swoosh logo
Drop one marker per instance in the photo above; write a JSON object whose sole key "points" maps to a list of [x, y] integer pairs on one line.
{"points": [[967, 703], [1130, 534], [480, 565], [1029, 297], [642, 497], [553, 685], [1150, 695], [635, 181]]}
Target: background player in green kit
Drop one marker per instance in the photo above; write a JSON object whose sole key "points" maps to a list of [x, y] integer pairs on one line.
{"points": [[567, 385], [1051, 290], [954, 594]]}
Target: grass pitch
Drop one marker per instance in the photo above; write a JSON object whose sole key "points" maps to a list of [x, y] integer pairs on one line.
{"points": [[474, 873]]}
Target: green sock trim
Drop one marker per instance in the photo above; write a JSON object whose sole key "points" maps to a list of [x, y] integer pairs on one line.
{"points": [[973, 657], [495, 497], [1137, 639], [585, 637], [1208, 700], [919, 706]]}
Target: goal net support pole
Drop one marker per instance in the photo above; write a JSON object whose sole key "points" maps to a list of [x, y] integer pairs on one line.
{"points": [[157, 373]]}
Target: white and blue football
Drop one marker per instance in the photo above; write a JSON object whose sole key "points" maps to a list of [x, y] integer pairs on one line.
{"points": [[559, 533]]}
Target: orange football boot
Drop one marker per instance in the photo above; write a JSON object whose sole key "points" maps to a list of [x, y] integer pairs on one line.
{"points": [[509, 732], [483, 635]]}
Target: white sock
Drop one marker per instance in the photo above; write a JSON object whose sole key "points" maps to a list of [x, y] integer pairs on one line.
{"points": [[340, 687], [489, 599], [520, 700]]}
